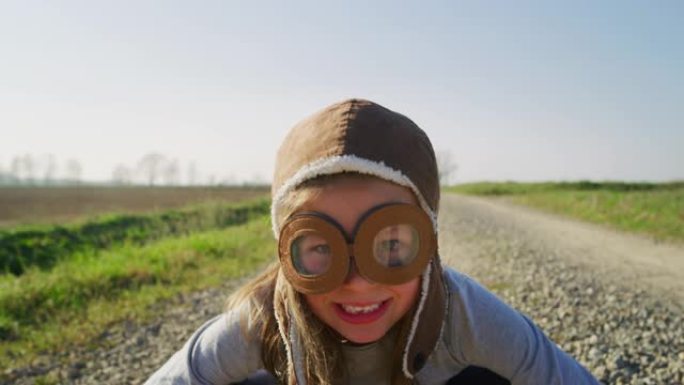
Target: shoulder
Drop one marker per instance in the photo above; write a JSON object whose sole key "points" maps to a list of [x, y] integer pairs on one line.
{"points": [[477, 321], [458, 283], [450, 356], [452, 277], [219, 351], [469, 300], [227, 336]]}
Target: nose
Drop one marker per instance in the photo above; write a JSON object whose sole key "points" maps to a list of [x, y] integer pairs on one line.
{"points": [[355, 280]]}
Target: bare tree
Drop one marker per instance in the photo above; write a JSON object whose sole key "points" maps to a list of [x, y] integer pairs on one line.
{"points": [[171, 172], [29, 168], [73, 171], [23, 168], [192, 174], [17, 169], [228, 180], [122, 175], [256, 180], [446, 167], [4, 176], [150, 167], [49, 169]]}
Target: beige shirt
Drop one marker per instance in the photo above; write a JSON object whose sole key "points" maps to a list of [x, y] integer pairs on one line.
{"points": [[370, 363]]}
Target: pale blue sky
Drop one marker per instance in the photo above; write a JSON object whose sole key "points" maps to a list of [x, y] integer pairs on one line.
{"points": [[525, 90]]}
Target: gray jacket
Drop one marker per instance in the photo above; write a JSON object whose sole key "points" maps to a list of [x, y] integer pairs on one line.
{"points": [[479, 330]]}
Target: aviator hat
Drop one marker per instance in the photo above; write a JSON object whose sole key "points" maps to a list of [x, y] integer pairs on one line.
{"points": [[359, 136]]}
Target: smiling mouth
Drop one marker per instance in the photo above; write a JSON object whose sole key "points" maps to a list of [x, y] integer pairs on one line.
{"points": [[361, 314], [361, 309]]}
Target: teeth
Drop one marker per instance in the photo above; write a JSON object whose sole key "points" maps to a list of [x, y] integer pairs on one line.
{"points": [[360, 309]]}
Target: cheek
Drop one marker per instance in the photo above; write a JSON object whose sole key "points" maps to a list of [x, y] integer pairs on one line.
{"points": [[407, 294], [316, 303]]}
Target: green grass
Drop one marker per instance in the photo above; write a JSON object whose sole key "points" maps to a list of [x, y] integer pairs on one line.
{"points": [[518, 188], [75, 300], [44, 246], [651, 209]]}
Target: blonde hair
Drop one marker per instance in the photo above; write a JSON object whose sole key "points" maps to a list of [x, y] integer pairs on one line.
{"points": [[323, 361]]}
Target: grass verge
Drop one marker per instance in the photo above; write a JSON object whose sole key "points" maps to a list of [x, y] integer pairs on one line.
{"points": [[71, 304], [46, 246], [650, 209]]}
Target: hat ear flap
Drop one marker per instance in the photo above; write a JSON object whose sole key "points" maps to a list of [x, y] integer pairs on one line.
{"points": [[284, 328], [419, 337]]}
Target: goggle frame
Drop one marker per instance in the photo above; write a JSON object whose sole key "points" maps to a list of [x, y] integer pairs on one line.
{"points": [[357, 247]]}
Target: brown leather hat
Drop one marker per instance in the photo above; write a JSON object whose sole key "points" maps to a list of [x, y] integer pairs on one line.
{"points": [[363, 137], [358, 136]]}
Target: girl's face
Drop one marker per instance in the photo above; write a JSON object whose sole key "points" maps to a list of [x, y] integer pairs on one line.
{"points": [[360, 310]]}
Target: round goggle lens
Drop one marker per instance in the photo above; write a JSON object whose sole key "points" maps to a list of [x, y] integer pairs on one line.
{"points": [[311, 255], [396, 245]]}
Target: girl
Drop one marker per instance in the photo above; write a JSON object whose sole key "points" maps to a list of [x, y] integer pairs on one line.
{"points": [[358, 295]]}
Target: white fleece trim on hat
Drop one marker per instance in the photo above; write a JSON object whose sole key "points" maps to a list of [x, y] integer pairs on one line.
{"points": [[281, 329], [414, 323], [297, 355], [345, 163]]}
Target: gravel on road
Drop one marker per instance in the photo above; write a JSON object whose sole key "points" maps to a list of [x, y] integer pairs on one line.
{"points": [[625, 331]]}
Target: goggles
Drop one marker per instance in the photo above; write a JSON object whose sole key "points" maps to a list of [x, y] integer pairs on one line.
{"points": [[391, 244]]}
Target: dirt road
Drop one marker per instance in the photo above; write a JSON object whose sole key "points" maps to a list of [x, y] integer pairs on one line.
{"points": [[613, 301], [617, 257]]}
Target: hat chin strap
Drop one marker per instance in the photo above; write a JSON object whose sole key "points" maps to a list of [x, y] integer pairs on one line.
{"points": [[425, 285], [287, 332], [427, 323]]}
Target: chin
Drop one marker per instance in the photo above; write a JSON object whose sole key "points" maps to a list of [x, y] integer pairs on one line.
{"points": [[363, 338]]}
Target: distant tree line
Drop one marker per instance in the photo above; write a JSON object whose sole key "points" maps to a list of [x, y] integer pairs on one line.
{"points": [[28, 169], [152, 169], [155, 169]]}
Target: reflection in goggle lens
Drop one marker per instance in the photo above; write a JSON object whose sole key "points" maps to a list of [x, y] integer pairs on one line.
{"points": [[396, 245], [311, 254]]}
